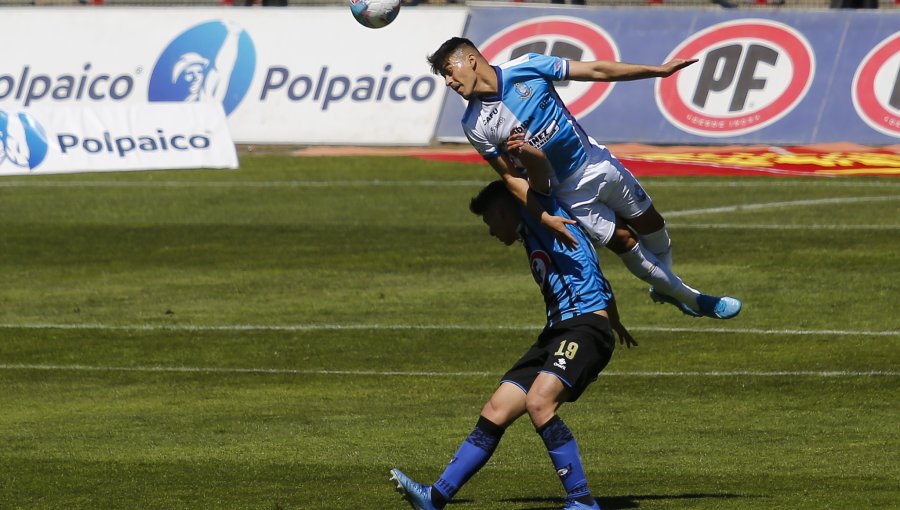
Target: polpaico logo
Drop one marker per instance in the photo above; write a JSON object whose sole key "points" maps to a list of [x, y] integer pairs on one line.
{"points": [[211, 61], [559, 36], [876, 87], [23, 141], [750, 74]]}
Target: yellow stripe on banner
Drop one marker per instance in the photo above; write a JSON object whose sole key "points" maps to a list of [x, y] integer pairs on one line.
{"points": [[858, 171]]}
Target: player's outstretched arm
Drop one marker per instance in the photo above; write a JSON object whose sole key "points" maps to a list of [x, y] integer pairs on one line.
{"points": [[607, 70], [520, 189]]}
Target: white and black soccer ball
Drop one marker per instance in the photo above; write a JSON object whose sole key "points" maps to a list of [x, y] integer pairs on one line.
{"points": [[375, 13]]}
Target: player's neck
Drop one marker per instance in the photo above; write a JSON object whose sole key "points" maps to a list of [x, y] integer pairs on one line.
{"points": [[488, 85]]}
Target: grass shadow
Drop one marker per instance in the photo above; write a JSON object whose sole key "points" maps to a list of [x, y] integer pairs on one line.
{"points": [[620, 502]]}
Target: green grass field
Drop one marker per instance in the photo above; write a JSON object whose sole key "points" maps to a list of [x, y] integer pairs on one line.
{"points": [[281, 336]]}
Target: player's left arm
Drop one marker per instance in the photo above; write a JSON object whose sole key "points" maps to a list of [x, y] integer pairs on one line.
{"points": [[615, 323], [607, 70]]}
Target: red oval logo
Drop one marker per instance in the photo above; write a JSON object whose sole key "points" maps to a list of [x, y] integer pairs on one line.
{"points": [[876, 87], [750, 73], [561, 36]]}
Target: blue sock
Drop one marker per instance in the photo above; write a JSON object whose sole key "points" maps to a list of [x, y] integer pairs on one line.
{"points": [[471, 456], [563, 452]]}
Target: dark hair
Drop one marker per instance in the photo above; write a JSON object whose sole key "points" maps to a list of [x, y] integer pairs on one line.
{"points": [[438, 59], [491, 193]]}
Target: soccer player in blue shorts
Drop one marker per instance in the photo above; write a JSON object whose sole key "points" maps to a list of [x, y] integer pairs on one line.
{"points": [[573, 348], [518, 97]]}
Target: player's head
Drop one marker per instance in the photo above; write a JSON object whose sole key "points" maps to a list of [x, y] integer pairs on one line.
{"points": [[499, 210], [457, 61]]}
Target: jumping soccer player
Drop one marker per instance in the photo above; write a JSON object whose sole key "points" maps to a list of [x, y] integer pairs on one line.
{"points": [[573, 348], [518, 97]]}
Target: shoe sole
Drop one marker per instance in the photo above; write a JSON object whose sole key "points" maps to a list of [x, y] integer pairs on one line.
{"points": [[662, 299]]}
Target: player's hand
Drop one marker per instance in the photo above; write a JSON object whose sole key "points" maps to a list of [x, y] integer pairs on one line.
{"points": [[557, 226], [625, 337], [676, 64], [515, 142]]}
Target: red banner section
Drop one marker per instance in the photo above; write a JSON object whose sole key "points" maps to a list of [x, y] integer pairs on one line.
{"points": [[810, 160]]}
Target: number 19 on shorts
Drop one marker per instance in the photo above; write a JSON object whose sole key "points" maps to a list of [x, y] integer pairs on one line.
{"points": [[567, 349]]}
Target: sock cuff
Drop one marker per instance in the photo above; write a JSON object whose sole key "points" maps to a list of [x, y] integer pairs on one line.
{"points": [[660, 237], [486, 435], [555, 433], [489, 427]]}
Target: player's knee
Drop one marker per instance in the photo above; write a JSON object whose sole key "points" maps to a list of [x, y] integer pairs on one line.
{"points": [[539, 407], [499, 412]]}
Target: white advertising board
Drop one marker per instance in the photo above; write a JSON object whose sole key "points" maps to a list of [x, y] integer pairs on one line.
{"points": [[309, 75], [99, 138]]}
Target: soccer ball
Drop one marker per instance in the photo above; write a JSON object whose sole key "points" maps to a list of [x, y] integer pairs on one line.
{"points": [[374, 13]]}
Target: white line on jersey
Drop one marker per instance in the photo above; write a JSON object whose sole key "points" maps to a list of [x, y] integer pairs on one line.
{"points": [[289, 371], [423, 327]]}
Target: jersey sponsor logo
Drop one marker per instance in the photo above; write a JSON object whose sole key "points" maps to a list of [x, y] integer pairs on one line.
{"points": [[539, 139], [540, 267], [750, 74], [876, 87], [23, 141], [213, 61], [559, 36]]}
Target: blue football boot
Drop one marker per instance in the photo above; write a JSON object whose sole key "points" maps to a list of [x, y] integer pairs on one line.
{"points": [[658, 297], [574, 505], [724, 307], [418, 495]]}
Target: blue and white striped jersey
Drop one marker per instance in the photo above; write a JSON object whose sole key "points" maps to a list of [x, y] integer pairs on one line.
{"points": [[527, 102], [571, 280]]}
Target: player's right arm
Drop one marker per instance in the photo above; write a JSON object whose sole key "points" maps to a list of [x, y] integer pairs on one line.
{"points": [[520, 189], [534, 160]]}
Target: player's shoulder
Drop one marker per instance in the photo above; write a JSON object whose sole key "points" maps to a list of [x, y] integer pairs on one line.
{"points": [[532, 64]]}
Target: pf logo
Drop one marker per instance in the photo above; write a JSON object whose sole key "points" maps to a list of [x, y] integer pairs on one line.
{"points": [[23, 142], [559, 36], [876, 87], [751, 72]]}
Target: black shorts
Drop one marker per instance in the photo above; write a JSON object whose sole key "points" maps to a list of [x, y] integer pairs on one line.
{"points": [[574, 350]]}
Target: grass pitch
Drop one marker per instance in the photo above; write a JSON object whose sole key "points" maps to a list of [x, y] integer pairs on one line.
{"points": [[279, 337]]}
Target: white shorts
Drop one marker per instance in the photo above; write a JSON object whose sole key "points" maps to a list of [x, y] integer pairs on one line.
{"points": [[600, 191]]}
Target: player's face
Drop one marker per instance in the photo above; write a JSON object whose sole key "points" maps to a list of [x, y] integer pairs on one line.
{"points": [[459, 75], [502, 222]]}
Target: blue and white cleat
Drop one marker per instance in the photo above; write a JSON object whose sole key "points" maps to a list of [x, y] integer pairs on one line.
{"points": [[416, 494], [574, 505], [658, 297], [724, 307]]}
